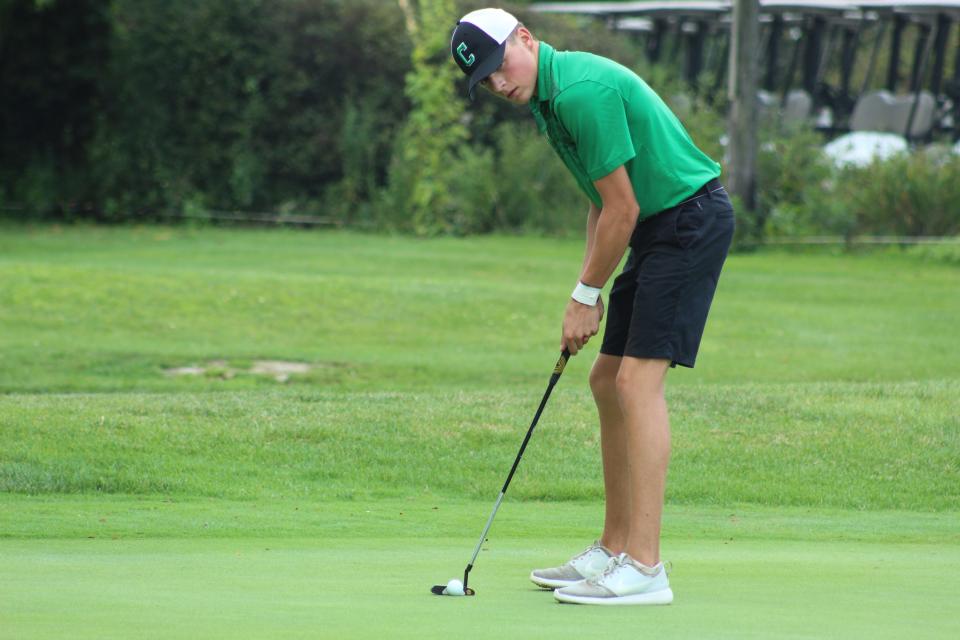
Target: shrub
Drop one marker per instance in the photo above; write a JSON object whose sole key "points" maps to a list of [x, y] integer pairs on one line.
{"points": [[948, 253], [535, 192], [425, 157], [474, 189], [124, 108], [792, 199], [913, 194], [50, 97]]}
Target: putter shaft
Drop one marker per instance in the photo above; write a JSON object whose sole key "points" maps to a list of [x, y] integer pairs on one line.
{"points": [[557, 370]]}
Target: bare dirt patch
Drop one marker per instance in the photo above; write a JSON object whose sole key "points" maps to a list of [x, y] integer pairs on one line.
{"points": [[279, 370]]}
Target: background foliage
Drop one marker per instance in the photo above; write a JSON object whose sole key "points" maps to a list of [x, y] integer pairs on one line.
{"points": [[134, 110]]}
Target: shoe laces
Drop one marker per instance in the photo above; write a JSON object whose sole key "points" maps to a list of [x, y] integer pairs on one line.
{"points": [[615, 563], [585, 552]]}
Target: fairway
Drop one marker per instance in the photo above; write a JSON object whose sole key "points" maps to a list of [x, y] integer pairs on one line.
{"points": [[268, 587], [814, 489]]}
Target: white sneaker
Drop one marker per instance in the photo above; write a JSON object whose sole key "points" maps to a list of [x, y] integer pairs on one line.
{"points": [[624, 581], [586, 564]]}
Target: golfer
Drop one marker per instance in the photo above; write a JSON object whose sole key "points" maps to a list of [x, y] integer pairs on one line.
{"points": [[648, 188]]}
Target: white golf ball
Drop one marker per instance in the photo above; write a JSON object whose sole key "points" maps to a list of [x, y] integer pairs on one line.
{"points": [[454, 588]]}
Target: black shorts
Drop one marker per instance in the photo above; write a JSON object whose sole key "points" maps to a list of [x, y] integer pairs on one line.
{"points": [[658, 306]]}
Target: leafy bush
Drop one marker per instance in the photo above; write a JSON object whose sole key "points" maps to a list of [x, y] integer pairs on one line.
{"points": [[472, 179], [50, 97], [425, 152], [506, 177], [913, 194], [124, 109], [792, 199], [221, 104], [535, 192], [947, 253]]}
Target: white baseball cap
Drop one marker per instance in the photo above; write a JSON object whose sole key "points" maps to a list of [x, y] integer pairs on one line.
{"points": [[478, 43]]}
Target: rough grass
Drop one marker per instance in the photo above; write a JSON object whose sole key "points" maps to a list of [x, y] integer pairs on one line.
{"points": [[843, 445], [92, 309], [825, 379]]}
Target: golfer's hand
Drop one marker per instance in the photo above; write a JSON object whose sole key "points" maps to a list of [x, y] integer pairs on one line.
{"points": [[580, 323]]}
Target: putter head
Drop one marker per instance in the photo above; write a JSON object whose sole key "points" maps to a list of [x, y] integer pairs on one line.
{"points": [[440, 590]]}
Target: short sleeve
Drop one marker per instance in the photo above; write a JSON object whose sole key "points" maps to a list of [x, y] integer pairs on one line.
{"points": [[595, 117]]}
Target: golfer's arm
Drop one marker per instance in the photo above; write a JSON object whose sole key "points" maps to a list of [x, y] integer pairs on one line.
{"points": [[612, 228], [592, 217]]}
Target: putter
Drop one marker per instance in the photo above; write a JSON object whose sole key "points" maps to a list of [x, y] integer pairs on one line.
{"points": [[441, 589]]}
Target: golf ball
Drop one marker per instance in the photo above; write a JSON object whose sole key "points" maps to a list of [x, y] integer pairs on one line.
{"points": [[454, 588]]}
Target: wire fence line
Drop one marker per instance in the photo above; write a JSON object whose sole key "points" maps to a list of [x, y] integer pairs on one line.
{"points": [[11, 212], [863, 240], [303, 220], [244, 217]]}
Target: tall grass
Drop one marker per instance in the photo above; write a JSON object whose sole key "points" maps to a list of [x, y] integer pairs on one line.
{"points": [[825, 380], [93, 309], [850, 445]]}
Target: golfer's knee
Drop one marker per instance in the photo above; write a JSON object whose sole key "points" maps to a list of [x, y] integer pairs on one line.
{"points": [[603, 379], [641, 378]]}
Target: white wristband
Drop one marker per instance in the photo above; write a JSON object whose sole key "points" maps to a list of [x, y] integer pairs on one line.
{"points": [[585, 294]]}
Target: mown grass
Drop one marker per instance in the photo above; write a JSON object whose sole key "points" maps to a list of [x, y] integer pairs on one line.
{"points": [[815, 447], [824, 380], [844, 445], [374, 588], [93, 309], [126, 517]]}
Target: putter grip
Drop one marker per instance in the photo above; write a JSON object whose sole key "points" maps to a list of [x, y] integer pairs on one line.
{"points": [[561, 363]]}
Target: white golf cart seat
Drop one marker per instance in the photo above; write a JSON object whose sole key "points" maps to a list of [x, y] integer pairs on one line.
{"points": [[797, 109], [860, 148], [881, 111], [799, 106]]}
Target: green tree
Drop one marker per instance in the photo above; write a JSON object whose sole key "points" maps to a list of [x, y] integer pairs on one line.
{"points": [[51, 91], [426, 154]]}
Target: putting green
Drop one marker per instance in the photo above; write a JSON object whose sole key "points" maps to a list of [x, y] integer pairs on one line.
{"points": [[761, 585]]}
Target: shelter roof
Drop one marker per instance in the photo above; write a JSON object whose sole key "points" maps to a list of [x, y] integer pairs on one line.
{"points": [[677, 7], [693, 7], [806, 6]]}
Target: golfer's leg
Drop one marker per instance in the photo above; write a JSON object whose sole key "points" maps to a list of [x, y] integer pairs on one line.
{"points": [[613, 446], [640, 385]]}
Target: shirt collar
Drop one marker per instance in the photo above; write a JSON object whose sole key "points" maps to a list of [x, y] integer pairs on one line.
{"points": [[544, 74]]}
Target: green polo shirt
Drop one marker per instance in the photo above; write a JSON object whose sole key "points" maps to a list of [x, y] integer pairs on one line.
{"points": [[598, 115]]}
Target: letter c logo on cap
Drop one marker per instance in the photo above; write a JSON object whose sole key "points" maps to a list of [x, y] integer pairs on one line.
{"points": [[467, 61]]}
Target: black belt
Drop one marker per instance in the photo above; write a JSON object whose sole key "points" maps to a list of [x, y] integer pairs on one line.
{"points": [[707, 189]]}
